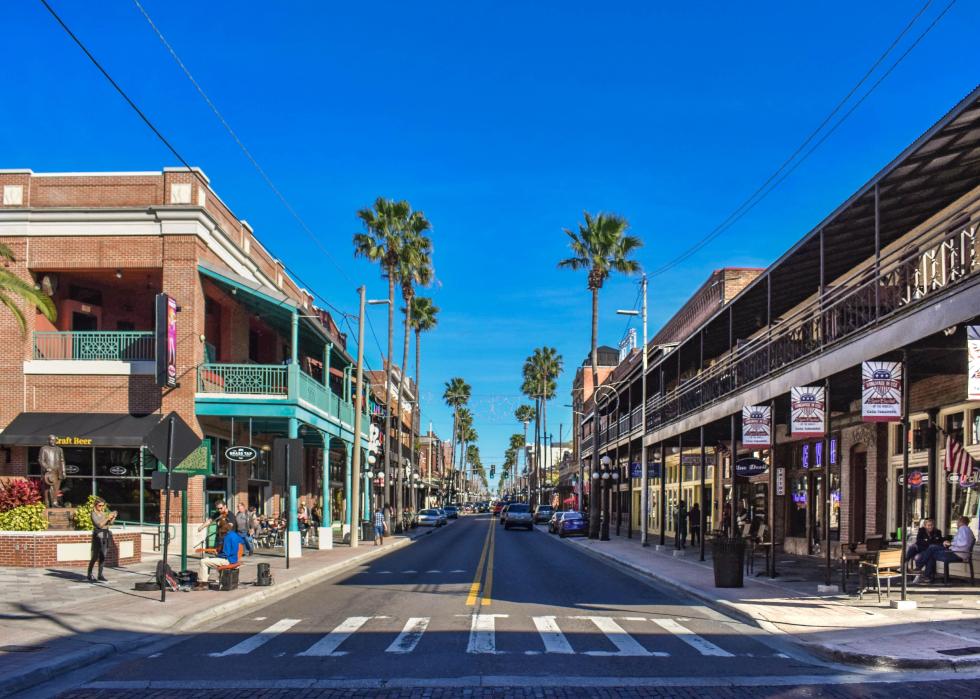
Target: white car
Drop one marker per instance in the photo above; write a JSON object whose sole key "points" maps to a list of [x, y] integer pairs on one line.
{"points": [[430, 518]]}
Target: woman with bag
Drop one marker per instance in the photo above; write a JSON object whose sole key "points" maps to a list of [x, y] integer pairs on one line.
{"points": [[101, 538]]}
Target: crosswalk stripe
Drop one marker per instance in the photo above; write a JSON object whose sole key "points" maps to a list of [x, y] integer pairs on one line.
{"points": [[327, 646], [626, 645], [552, 637], [259, 639], [483, 636], [410, 635], [701, 645]]}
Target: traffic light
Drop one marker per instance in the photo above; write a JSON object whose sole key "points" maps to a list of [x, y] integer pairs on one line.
{"points": [[493, 470]]}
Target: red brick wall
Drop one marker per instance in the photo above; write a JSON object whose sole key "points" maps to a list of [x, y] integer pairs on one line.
{"points": [[37, 550], [97, 191]]}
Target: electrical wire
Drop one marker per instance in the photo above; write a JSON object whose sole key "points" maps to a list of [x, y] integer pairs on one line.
{"points": [[764, 189]]}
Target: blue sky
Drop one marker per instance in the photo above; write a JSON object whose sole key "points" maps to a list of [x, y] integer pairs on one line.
{"points": [[502, 121]]}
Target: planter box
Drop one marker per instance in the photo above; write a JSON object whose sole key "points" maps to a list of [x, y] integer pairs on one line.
{"points": [[65, 549]]}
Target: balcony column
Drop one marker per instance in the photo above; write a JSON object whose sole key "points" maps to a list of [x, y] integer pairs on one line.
{"points": [[292, 524], [348, 486], [327, 351], [292, 370], [324, 536]]}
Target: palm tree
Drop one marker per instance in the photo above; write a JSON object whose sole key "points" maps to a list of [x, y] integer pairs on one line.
{"points": [[524, 414], [11, 285], [518, 443], [414, 266], [423, 315], [456, 395], [384, 225], [541, 372]]}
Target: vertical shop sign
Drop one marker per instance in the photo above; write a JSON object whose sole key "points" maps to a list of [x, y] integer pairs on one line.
{"points": [[166, 309], [973, 367]]}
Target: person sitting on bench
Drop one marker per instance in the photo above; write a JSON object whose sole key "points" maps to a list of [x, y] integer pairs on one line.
{"points": [[228, 555], [952, 552]]}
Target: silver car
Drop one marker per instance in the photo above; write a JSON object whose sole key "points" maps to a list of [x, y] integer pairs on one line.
{"points": [[519, 515], [430, 518]]}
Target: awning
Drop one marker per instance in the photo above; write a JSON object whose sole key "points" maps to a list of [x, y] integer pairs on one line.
{"points": [[79, 429]]}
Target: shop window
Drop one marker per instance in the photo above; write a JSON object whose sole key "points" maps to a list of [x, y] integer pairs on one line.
{"points": [[954, 426], [259, 468], [920, 435], [918, 503], [78, 462], [797, 515], [975, 427], [117, 463], [963, 503]]}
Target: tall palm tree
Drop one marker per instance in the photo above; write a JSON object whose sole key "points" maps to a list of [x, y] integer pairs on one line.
{"points": [[518, 443], [456, 395], [13, 286], [414, 267], [541, 372], [524, 414], [384, 225], [423, 315]]}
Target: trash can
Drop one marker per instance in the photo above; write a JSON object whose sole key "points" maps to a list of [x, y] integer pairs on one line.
{"points": [[728, 556], [367, 531]]}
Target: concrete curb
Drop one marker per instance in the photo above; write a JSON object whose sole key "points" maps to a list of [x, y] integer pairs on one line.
{"points": [[823, 651], [36, 675]]}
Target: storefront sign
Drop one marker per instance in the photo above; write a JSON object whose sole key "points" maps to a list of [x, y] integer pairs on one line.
{"points": [[973, 362], [807, 406], [756, 425], [636, 471], [916, 479], [963, 480], [72, 469], [117, 470], [780, 481], [166, 341], [750, 467], [818, 455], [241, 453], [881, 391], [73, 441], [691, 460]]}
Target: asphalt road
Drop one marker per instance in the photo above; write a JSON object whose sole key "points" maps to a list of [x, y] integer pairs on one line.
{"points": [[472, 605]]}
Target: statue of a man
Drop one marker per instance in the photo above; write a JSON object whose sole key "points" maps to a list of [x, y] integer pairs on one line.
{"points": [[52, 461]]}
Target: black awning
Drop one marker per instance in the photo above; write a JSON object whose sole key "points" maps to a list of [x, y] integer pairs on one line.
{"points": [[79, 429]]}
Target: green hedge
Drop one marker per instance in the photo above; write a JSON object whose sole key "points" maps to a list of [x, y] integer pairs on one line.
{"points": [[26, 518]]}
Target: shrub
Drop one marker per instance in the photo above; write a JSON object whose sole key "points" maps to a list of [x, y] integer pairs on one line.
{"points": [[83, 515], [17, 493], [26, 518]]}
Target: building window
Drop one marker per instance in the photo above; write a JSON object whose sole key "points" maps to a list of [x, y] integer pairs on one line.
{"points": [[954, 426], [920, 435], [975, 427], [897, 442]]}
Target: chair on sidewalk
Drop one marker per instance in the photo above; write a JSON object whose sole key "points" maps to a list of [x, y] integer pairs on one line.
{"points": [[967, 564], [885, 565]]}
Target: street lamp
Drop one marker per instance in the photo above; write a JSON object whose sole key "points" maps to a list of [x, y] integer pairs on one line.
{"points": [[644, 494], [604, 477]]}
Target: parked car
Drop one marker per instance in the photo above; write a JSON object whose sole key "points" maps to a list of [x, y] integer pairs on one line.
{"points": [[519, 515], [430, 518], [542, 513], [555, 520], [452, 512], [442, 514], [573, 524]]}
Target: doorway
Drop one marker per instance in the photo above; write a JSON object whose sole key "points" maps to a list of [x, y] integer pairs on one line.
{"points": [[859, 492]]}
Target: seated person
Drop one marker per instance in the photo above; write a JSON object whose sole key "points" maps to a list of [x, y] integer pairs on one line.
{"points": [[927, 536], [951, 551], [226, 556]]}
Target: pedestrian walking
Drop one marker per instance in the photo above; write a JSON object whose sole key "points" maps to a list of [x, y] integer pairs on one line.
{"points": [[680, 541], [101, 538], [380, 528], [694, 523]]}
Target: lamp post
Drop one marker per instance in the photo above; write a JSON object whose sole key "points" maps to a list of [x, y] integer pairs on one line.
{"points": [[603, 478], [644, 492]]}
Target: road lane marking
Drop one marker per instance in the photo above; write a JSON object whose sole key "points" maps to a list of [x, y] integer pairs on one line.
{"points": [[327, 646], [410, 635], [475, 585], [439, 572], [701, 645], [457, 570], [626, 645], [259, 639], [552, 637], [487, 594], [409, 571], [483, 634]]}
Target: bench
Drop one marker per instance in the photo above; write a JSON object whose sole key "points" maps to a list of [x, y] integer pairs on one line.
{"points": [[967, 565]]}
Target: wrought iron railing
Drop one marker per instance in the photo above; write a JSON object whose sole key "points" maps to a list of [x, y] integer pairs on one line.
{"points": [[934, 261], [243, 379], [94, 345]]}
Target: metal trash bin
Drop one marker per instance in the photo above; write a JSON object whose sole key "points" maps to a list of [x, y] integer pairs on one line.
{"points": [[728, 557]]}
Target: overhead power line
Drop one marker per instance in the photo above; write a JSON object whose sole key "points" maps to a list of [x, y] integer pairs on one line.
{"points": [[792, 162]]}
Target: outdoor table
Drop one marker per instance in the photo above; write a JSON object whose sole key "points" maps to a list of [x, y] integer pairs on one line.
{"points": [[849, 556]]}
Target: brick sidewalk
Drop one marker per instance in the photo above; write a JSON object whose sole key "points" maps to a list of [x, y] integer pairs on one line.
{"points": [[835, 625], [53, 620]]}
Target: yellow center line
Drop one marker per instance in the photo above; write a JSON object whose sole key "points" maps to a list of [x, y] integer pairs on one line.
{"points": [[475, 586], [488, 584]]}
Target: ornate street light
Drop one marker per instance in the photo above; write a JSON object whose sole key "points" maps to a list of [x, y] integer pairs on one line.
{"points": [[606, 475]]}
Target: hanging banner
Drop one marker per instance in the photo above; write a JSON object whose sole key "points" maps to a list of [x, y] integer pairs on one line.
{"points": [[881, 391], [756, 425], [165, 310], [807, 407], [973, 363]]}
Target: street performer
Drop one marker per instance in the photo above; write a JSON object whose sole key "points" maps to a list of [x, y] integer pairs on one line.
{"points": [[52, 461]]}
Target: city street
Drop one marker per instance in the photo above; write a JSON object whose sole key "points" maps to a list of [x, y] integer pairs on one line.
{"points": [[475, 606]]}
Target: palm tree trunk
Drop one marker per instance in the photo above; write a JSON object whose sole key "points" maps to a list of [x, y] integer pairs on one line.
{"points": [[524, 449], [546, 461], [400, 499], [418, 396], [388, 383], [593, 501]]}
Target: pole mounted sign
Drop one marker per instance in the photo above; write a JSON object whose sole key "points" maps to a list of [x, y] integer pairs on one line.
{"points": [[750, 467], [807, 404], [756, 425], [881, 391], [166, 309]]}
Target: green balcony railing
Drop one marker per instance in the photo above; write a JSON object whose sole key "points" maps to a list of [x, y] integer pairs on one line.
{"points": [[94, 345], [246, 379]]}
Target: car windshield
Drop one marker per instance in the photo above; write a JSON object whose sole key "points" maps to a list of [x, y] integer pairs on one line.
{"points": [[545, 508], [517, 508], [572, 515], [451, 508], [431, 513]]}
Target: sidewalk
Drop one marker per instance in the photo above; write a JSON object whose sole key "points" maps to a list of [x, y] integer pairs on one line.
{"points": [[52, 620], [942, 633]]}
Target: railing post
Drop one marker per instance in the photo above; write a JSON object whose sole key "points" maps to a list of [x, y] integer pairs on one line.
{"points": [[292, 381]]}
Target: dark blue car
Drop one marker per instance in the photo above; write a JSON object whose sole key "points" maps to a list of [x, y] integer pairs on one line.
{"points": [[573, 524]]}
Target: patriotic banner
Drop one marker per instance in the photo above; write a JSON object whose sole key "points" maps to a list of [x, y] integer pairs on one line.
{"points": [[881, 391], [957, 460], [973, 365], [807, 408], [756, 425]]}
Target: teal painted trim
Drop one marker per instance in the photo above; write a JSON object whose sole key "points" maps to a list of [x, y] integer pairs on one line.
{"points": [[247, 289], [94, 345], [325, 503], [348, 448]]}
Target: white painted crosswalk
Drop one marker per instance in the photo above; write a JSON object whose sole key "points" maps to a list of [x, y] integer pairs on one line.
{"points": [[594, 636]]}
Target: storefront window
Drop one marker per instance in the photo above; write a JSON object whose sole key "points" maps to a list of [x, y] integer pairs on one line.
{"points": [[918, 503], [954, 426], [797, 515], [835, 505], [975, 430], [963, 503], [920, 435]]}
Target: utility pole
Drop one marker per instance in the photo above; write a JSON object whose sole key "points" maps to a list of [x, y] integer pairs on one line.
{"points": [[355, 488], [644, 466]]}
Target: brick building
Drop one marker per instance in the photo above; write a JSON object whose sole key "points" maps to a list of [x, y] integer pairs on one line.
{"points": [[255, 358]]}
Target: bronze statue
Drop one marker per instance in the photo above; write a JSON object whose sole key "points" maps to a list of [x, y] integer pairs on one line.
{"points": [[52, 461]]}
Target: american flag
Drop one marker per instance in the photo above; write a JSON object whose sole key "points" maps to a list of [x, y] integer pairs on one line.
{"points": [[957, 459]]}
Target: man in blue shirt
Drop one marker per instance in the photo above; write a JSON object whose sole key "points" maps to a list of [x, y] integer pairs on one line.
{"points": [[226, 556]]}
